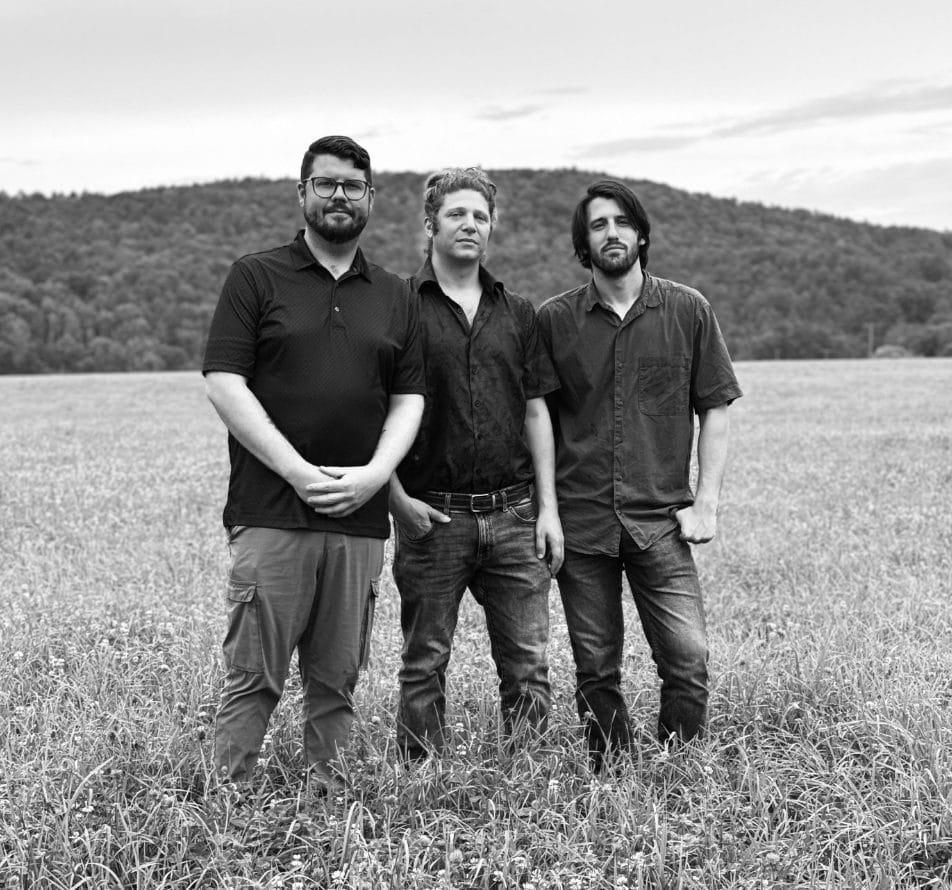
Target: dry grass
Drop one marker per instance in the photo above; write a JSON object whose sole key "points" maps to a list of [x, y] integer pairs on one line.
{"points": [[828, 764]]}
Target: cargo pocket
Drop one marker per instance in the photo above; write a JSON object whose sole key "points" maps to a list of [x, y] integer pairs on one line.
{"points": [[367, 625], [242, 646]]}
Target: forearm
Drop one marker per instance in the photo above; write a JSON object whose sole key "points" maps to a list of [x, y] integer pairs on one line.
{"points": [[542, 449], [712, 449], [399, 430], [246, 419]]}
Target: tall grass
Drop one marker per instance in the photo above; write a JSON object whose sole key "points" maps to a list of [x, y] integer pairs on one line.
{"points": [[827, 591]]}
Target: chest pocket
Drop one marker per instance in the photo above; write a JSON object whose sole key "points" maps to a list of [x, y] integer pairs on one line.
{"points": [[664, 384]]}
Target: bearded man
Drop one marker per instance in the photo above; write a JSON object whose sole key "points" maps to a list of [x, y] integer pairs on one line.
{"points": [[637, 357], [314, 364]]}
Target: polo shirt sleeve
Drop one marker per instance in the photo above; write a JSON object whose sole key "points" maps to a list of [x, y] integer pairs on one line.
{"points": [[539, 378], [713, 382], [233, 334], [410, 372]]}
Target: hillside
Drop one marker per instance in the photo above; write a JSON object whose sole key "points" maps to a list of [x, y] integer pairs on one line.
{"points": [[106, 283]]}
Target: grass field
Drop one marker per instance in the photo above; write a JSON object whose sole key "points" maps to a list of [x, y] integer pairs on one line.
{"points": [[829, 762]]}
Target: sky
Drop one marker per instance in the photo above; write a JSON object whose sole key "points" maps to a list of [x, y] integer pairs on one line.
{"points": [[840, 106]]}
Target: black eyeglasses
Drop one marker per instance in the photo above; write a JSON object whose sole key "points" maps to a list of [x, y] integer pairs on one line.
{"points": [[323, 187]]}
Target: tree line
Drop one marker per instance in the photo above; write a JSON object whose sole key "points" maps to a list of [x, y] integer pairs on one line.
{"points": [[91, 282]]}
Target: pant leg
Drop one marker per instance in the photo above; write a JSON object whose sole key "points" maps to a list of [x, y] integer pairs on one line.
{"points": [[432, 574], [270, 589], [330, 648], [590, 586], [667, 593], [512, 585]]}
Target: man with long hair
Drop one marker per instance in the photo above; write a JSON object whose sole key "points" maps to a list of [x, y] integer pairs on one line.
{"points": [[637, 357]]}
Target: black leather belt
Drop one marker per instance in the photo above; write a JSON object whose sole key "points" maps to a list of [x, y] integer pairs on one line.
{"points": [[488, 502]]}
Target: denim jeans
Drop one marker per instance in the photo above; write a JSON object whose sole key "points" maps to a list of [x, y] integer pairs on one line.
{"points": [[664, 583], [493, 554]]}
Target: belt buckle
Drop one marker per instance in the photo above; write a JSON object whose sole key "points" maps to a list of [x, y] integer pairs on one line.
{"points": [[473, 508]]}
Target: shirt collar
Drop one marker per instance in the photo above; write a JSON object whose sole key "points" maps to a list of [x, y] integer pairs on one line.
{"points": [[427, 277], [651, 294], [302, 258]]}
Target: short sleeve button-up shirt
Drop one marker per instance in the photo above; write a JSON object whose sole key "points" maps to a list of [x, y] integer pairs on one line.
{"points": [[624, 413], [478, 380]]}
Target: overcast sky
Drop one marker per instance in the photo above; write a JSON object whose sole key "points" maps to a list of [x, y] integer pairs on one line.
{"points": [[843, 106]]}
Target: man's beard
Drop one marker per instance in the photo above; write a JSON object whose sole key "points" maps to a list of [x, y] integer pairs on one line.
{"points": [[331, 230], [615, 265]]}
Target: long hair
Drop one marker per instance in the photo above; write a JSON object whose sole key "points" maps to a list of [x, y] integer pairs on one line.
{"points": [[628, 203]]}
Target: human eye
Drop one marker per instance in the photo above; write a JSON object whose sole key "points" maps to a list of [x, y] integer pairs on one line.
{"points": [[623, 221], [354, 188]]}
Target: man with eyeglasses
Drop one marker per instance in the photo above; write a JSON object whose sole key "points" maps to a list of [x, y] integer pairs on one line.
{"points": [[474, 500], [314, 364]]}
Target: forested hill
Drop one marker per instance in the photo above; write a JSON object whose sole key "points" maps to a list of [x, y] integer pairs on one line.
{"points": [[128, 282]]}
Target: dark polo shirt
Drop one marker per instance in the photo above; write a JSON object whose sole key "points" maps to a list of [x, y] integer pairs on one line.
{"points": [[323, 356], [478, 380], [624, 415]]}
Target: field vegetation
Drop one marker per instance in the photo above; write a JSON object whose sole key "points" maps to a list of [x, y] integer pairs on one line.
{"points": [[828, 764]]}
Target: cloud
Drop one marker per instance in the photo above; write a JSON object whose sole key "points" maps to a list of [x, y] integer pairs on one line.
{"points": [[875, 101], [498, 113], [868, 103], [19, 162], [902, 193]]}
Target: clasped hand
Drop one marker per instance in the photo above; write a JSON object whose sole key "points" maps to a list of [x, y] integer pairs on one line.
{"points": [[341, 490]]}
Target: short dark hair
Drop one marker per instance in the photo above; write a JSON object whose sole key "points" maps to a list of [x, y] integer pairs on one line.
{"points": [[627, 200], [342, 147]]}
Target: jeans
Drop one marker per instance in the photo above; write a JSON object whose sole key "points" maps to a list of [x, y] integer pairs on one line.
{"points": [[493, 554], [664, 583], [294, 589]]}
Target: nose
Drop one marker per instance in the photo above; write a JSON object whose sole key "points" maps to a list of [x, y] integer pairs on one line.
{"points": [[469, 223], [338, 186]]}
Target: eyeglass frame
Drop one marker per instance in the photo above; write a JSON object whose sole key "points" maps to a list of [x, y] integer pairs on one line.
{"points": [[338, 184]]}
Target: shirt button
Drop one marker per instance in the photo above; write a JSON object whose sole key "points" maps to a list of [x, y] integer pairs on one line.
{"points": [[477, 403], [337, 308]]}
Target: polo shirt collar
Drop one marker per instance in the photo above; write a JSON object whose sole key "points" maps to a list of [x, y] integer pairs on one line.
{"points": [[302, 257], [490, 285], [651, 294]]}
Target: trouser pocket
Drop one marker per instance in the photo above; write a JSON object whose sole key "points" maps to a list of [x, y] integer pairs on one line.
{"points": [[242, 647], [367, 625]]}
